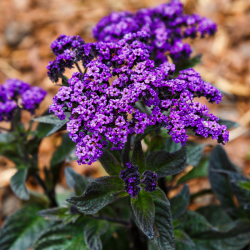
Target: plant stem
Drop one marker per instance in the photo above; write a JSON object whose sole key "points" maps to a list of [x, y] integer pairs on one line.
{"points": [[122, 222], [50, 194], [126, 151], [78, 67], [136, 236]]}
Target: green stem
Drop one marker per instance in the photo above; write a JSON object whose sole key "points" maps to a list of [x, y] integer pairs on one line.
{"points": [[78, 67]]}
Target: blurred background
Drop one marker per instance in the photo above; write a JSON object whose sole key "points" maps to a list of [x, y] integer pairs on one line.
{"points": [[27, 28]]}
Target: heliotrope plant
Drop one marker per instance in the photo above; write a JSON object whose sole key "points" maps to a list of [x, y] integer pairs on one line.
{"points": [[124, 92]]}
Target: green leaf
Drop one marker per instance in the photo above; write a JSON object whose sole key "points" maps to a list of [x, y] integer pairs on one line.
{"points": [[58, 127], [160, 195], [148, 130], [75, 181], [110, 164], [50, 119], [164, 225], [155, 143], [194, 153], [58, 237], [164, 163], [62, 152], [180, 202], [99, 193], [144, 210], [54, 214], [170, 146], [200, 171], [43, 129], [92, 232], [193, 223], [182, 237], [138, 157], [229, 124], [18, 184], [244, 184], [22, 228], [219, 183]]}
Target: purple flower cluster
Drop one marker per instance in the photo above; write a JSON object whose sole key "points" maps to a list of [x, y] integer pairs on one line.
{"points": [[118, 77], [131, 178], [14, 93], [166, 24], [149, 180]]}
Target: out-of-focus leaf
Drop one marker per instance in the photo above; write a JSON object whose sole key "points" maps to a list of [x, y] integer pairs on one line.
{"points": [[219, 183], [99, 193], [164, 225], [170, 146], [194, 153], [149, 129], [155, 143], [200, 171], [75, 181], [51, 119], [182, 237], [65, 237], [164, 163], [18, 184], [229, 124], [138, 157], [144, 211], [92, 232], [43, 129], [22, 228], [110, 164], [180, 202], [244, 184], [58, 127]]}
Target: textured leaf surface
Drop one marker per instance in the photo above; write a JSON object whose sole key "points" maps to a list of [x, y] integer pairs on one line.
{"points": [[194, 153], [51, 119], [18, 184], [200, 171], [110, 164], [164, 163], [75, 181], [99, 193], [92, 232], [22, 228], [58, 237], [144, 210], [160, 195], [138, 157], [180, 202], [220, 183], [163, 223]]}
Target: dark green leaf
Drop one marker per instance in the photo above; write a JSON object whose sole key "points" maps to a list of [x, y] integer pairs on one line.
{"points": [[58, 127], [110, 164], [160, 195], [216, 216], [180, 202], [182, 237], [200, 171], [75, 181], [164, 163], [138, 157], [43, 129], [229, 124], [193, 223], [54, 214], [170, 146], [155, 143], [144, 210], [163, 223], [182, 246], [22, 228], [18, 184], [92, 232], [58, 237], [149, 129], [194, 153], [99, 193], [220, 183]]}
